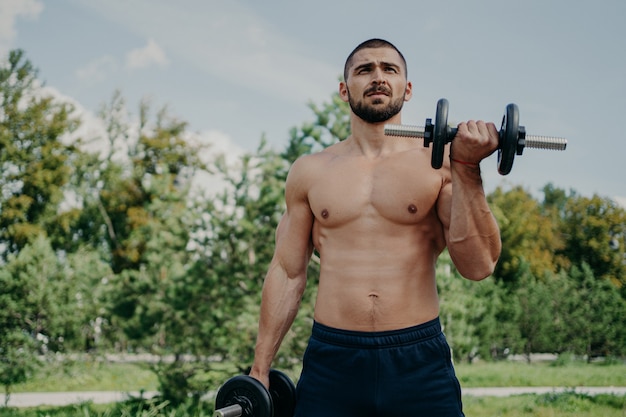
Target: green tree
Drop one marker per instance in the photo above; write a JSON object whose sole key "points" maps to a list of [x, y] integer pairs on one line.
{"points": [[158, 165], [593, 317], [33, 159], [37, 310], [496, 329], [535, 321], [88, 277], [595, 234], [527, 234], [18, 361]]}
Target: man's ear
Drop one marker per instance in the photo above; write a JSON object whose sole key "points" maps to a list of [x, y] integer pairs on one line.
{"points": [[343, 91], [408, 92]]}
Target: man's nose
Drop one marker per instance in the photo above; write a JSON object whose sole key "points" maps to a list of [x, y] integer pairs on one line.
{"points": [[379, 76]]}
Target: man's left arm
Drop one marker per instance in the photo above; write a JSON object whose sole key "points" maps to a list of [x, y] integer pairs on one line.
{"points": [[471, 231]]}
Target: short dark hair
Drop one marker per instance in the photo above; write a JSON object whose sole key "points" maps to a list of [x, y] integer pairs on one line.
{"points": [[371, 43]]}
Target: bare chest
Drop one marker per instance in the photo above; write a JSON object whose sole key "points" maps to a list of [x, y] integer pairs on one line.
{"points": [[400, 190]]}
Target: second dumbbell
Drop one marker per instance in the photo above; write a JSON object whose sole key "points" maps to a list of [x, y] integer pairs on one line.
{"points": [[244, 396]]}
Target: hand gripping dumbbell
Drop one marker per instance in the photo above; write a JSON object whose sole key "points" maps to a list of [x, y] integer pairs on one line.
{"points": [[513, 137], [244, 396]]}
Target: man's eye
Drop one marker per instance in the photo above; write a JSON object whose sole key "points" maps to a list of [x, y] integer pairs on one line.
{"points": [[391, 69]]}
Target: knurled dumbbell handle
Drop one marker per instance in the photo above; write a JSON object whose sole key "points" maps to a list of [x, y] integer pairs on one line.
{"points": [[231, 411], [545, 142], [531, 141], [407, 131]]}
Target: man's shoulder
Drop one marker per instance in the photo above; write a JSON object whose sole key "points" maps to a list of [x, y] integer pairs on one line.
{"points": [[318, 158], [309, 168]]}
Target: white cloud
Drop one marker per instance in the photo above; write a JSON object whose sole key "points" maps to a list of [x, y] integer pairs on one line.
{"points": [[103, 67], [145, 57], [233, 44], [98, 69], [10, 10]]}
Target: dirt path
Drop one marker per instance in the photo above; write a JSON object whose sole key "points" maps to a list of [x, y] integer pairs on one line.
{"points": [[33, 399]]}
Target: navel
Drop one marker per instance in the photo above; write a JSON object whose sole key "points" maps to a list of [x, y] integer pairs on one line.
{"points": [[324, 214], [412, 208]]}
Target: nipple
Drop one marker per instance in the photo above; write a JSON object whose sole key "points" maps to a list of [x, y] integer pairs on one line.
{"points": [[412, 209], [325, 214]]}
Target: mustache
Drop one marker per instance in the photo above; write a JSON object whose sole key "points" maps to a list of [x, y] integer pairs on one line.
{"points": [[378, 89]]}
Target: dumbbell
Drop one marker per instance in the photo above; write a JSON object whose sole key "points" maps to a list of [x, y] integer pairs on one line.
{"points": [[244, 396], [513, 138]]}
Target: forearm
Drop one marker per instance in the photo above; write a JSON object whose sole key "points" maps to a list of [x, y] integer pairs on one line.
{"points": [[279, 306], [474, 237]]}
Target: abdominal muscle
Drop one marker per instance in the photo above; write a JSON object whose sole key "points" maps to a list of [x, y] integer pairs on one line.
{"points": [[385, 284]]}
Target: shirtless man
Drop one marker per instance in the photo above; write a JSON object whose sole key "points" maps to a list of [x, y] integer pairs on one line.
{"points": [[379, 216]]}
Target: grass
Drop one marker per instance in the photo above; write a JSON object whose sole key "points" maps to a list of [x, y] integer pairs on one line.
{"points": [[568, 404], [541, 374], [91, 376]]}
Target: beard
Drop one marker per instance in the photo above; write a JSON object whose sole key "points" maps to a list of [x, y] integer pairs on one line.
{"points": [[376, 112]]}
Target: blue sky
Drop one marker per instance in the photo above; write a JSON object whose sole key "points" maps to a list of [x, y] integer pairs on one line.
{"points": [[238, 69]]}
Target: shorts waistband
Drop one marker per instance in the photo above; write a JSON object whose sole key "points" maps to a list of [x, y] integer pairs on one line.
{"points": [[388, 338]]}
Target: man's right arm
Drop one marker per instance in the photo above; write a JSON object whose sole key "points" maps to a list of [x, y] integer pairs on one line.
{"points": [[286, 277]]}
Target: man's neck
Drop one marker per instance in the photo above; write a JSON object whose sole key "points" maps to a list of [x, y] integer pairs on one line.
{"points": [[370, 138]]}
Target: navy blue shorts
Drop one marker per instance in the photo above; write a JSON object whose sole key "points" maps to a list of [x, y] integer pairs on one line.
{"points": [[395, 373]]}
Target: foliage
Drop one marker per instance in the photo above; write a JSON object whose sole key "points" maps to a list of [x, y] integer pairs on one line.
{"points": [[31, 319], [596, 323], [332, 124], [17, 359], [33, 159], [596, 235], [528, 236]]}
